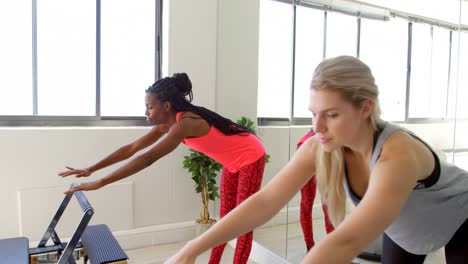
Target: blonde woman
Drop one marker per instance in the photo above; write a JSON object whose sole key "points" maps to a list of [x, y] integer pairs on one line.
{"points": [[396, 180]]}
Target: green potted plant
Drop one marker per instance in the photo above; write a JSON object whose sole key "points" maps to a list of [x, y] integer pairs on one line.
{"points": [[204, 171]]}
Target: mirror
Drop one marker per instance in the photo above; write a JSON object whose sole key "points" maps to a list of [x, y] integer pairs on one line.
{"points": [[274, 107], [272, 235], [437, 48]]}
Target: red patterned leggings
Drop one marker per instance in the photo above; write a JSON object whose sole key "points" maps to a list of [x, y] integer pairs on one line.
{"points": [[235, 188], [307, 201]]}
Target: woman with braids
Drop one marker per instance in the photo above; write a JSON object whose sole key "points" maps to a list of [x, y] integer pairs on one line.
{"points": [[167, 108], [400, 186]]}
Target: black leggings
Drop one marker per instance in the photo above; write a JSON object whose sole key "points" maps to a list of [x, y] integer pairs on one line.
{"points": [[456, 250]]}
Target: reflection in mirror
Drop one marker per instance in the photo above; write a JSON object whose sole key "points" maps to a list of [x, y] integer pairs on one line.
{"points": [[272, 235], [417, 57], [459, 152], [274, 78], [305, 217]]}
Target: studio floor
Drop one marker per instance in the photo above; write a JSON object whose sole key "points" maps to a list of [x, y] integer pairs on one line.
{"points": [[273, 238]]}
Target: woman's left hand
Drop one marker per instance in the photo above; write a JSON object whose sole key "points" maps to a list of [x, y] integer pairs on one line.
{"points": [[87, 186]]}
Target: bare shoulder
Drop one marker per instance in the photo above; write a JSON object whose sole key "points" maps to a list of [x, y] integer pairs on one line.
{"points": [[402, 143], [191, 125], [401, 146], [311, 144], [190, 115], [307, 153]]}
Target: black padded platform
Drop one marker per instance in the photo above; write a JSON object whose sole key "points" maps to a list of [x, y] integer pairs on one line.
{"points": [[14, 250], [101, 246]]}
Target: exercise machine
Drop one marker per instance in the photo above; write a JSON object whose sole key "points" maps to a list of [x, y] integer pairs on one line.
{"points": [[94, 243]]}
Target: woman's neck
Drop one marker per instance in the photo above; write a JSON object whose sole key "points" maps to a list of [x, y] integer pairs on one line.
{"points": [[363, 143]]}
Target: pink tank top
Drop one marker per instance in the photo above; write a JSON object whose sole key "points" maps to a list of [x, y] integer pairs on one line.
{"points": [[232, 152]]}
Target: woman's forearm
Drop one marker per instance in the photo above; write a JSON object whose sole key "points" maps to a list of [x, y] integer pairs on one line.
{"points": [[336, 248], [122, 153], [132, 167]]}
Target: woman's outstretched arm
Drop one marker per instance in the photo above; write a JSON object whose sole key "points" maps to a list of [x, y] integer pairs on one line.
{"points": [[121, 153], [166, 145]]}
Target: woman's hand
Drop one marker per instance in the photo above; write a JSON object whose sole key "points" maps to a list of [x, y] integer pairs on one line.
{"points": [[87, 186], [77, 172]]}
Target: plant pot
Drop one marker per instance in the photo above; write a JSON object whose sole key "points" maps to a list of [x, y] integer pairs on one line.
{"points": [[200, 228]]}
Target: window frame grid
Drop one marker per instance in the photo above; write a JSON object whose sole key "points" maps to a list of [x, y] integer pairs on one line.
{"points": [[97, 120], [301, 121]]}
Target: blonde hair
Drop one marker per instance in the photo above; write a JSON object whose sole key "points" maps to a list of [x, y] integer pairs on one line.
{"points": [[353, 79]]}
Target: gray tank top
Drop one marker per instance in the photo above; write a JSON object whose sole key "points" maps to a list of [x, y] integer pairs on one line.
{"points": [[431, 215]]}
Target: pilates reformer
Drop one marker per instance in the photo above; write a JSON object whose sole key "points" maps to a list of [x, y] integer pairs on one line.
{"points": [[94, 243]]}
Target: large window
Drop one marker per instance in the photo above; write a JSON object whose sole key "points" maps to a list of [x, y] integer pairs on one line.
{"points": [[384, 47], [275, 59], [309, 53], [127, 55], [79, 59], [458, 87], [66, 57], [16, 97], [341, 35], [418, 64], [429, 71]]}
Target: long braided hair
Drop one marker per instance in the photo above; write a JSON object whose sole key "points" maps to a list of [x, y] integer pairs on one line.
{"points": [[178, 91]]}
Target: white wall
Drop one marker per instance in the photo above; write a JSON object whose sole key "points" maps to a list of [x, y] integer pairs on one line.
{"points": [[237, 58], [192, 46], [31, 189]]}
